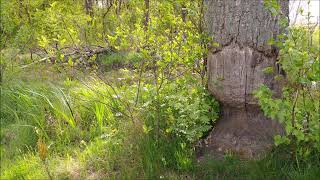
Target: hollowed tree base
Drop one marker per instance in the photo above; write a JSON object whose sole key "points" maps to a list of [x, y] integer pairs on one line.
{"points": [[244, 132]]}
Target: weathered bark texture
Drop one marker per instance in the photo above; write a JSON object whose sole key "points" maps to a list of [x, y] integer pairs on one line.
{"points": [[235, 69], [89, 7]]}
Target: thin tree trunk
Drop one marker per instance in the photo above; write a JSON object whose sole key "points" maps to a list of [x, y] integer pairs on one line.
{"points": [[118, 11], [89, 7], [146, 14], [20, 8]]}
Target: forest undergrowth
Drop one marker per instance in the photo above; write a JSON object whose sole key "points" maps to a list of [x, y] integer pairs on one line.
{"points": [[119, 91]]}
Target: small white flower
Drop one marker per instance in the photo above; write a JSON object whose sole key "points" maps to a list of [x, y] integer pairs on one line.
{"points": [[118, 114], [115, 96]]}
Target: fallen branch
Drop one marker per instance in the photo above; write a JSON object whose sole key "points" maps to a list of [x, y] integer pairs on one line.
{"points": [[74, 53], [35, 62]]}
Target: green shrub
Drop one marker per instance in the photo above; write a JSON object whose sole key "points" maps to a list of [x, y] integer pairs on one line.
{"points": [[184, 109], [298, 110]]}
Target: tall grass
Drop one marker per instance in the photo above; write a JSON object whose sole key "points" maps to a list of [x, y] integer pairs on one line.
{"points": [[90, 120]]}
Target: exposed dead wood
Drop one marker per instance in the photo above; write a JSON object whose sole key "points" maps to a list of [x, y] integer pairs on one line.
{"points": [[72, 53]]}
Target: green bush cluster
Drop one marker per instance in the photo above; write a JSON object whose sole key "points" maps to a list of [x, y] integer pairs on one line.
{"points": [[298, 108]]}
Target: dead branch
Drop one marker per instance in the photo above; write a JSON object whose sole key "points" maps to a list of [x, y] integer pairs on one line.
{"points": [[74, 53]]}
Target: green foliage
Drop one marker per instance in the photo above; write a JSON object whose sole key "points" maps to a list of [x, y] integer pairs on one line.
{"points": [[135, 123], [298, 108], [185, 109], [41, 23], [273, 6], [175, 121], [168, 39]]}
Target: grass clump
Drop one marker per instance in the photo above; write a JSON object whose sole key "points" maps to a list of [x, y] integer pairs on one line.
{"points": [[27, 166], [276, 165]]}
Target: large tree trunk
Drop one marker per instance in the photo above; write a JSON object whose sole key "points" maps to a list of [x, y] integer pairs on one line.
{"points": [[235, 69]]}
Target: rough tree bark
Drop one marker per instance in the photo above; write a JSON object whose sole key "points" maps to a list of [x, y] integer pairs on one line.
{"points": [[89, 7], [146, 14], [235, 69]]}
